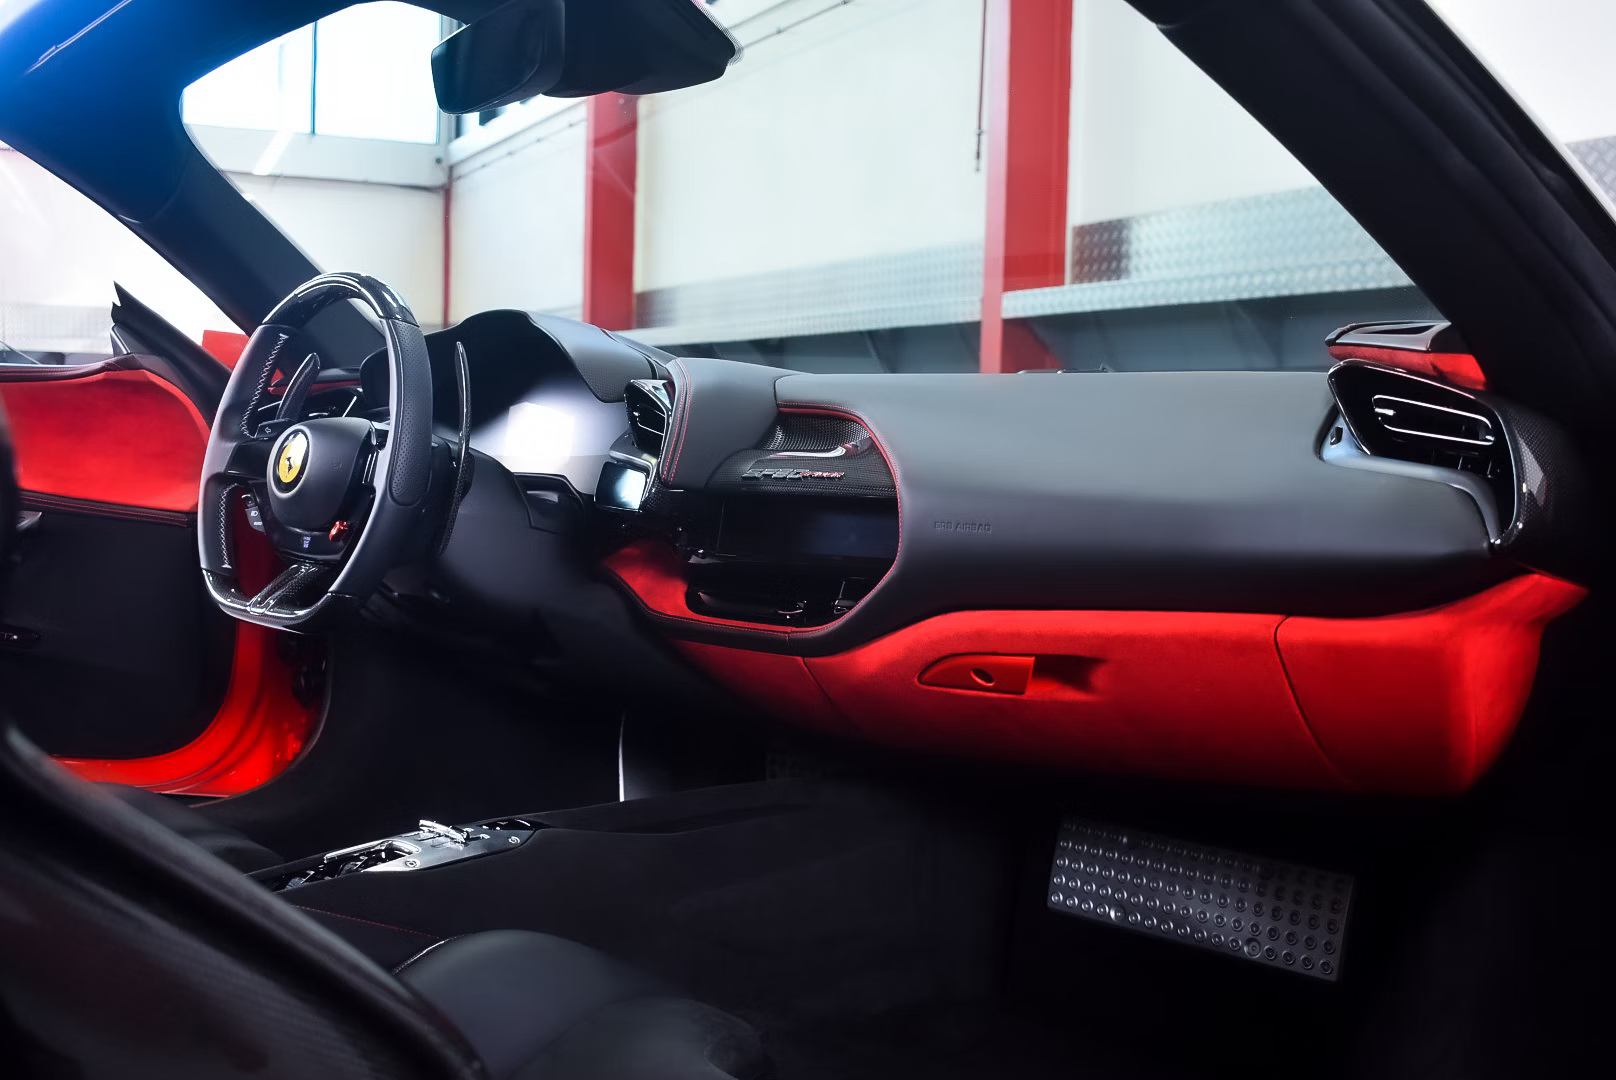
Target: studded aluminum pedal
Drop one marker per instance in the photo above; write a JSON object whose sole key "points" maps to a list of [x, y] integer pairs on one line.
{"points": [[1279, 914]]}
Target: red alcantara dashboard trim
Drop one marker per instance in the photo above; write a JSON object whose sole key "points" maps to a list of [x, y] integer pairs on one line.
{"points": [[1418, 703]]}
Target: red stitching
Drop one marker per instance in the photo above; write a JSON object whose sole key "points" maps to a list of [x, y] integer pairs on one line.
{"points": [[684, 418], [370, 922]]}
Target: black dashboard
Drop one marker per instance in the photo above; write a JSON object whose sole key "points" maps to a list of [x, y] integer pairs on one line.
{"points": [[810, 513]]}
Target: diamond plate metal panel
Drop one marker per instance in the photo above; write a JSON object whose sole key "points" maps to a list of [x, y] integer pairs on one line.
{"points": [[1288, 243], [921, 288], [1598, 157], [55, 328]]}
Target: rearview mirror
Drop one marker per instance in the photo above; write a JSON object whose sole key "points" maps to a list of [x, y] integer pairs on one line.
{"points": [[511, 53], [573, 48]]}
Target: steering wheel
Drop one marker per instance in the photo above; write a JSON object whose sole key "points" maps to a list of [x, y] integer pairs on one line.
{"points": [[339, 497]]}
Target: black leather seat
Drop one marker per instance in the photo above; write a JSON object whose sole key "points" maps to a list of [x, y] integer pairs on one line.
{"points": [[535, 1005], [127, 950]]}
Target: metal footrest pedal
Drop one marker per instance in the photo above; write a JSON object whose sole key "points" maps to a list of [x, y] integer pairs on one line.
{"points": [[1279, 914]]}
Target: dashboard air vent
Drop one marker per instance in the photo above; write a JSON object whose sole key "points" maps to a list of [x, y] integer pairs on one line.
{"points": [[650, 404], [1393, 414]]}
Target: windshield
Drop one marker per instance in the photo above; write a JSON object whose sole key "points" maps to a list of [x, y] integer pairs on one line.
{"points": [[1555, 57], [882, 220], [8, 355]]}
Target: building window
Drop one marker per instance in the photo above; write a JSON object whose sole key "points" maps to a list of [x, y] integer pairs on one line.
{"points": [[360, 73]]}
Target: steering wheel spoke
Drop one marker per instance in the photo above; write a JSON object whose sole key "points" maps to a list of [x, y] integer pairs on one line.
{"points": [[339, 497], [299, 586]]}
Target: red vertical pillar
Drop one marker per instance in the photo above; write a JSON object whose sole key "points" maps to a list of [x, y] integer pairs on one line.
{"points": [[611, 158], [1029, 95]]}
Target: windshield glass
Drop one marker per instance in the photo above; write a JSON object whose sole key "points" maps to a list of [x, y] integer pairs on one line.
{"points": [[61, 257], [880, 220], [8, 355], [1555, 57]]}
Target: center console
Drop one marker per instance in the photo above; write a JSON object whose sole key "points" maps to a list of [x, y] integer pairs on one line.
{"points": [[756, 896], [430, 845]]}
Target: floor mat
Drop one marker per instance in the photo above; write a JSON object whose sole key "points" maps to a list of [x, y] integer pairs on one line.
{"points": [[967, 1041]]}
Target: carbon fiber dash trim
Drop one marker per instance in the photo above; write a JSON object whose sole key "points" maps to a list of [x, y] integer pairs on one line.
{"points": [[772, 468]]}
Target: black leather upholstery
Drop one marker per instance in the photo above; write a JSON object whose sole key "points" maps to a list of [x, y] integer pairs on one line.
{"points": [[540, 1006], [665, 1038], [222, 843], [719, 407], [128, 950]]}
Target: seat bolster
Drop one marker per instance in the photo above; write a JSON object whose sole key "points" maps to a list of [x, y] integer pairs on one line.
{"points": [[513, 993], [653, 1038]]}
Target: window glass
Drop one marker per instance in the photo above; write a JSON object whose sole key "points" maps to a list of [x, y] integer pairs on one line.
{"points": [[270, 88], [1554, 55], [363, 73], [59, 257], [373, 76], [790, 218]]}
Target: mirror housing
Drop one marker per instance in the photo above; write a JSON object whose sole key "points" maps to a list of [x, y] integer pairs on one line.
{"points": [[514, 52], [575, 48]]}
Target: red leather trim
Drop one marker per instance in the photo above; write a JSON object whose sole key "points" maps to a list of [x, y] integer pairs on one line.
{"points": [[224, 346], [1414, 703], [1423, 702], [260, 727], [122, 437], [1460, 369], [684, 394]]}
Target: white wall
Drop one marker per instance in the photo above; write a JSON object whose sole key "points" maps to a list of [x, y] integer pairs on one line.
{"points": [[845, 132], [1150, 131], [517, 221], [1555, 55], [59, 257], [392, 233], [848, 136], [60, 253]]}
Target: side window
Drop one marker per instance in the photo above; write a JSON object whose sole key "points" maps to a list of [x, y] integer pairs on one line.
{"points": [[60, 255]]}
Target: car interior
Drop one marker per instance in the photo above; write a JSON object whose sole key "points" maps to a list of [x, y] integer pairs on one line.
{"points": [[802, 724]]}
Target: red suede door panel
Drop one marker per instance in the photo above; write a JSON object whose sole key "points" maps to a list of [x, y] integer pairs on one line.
{"points": [[111, 436], [130, 674]]}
